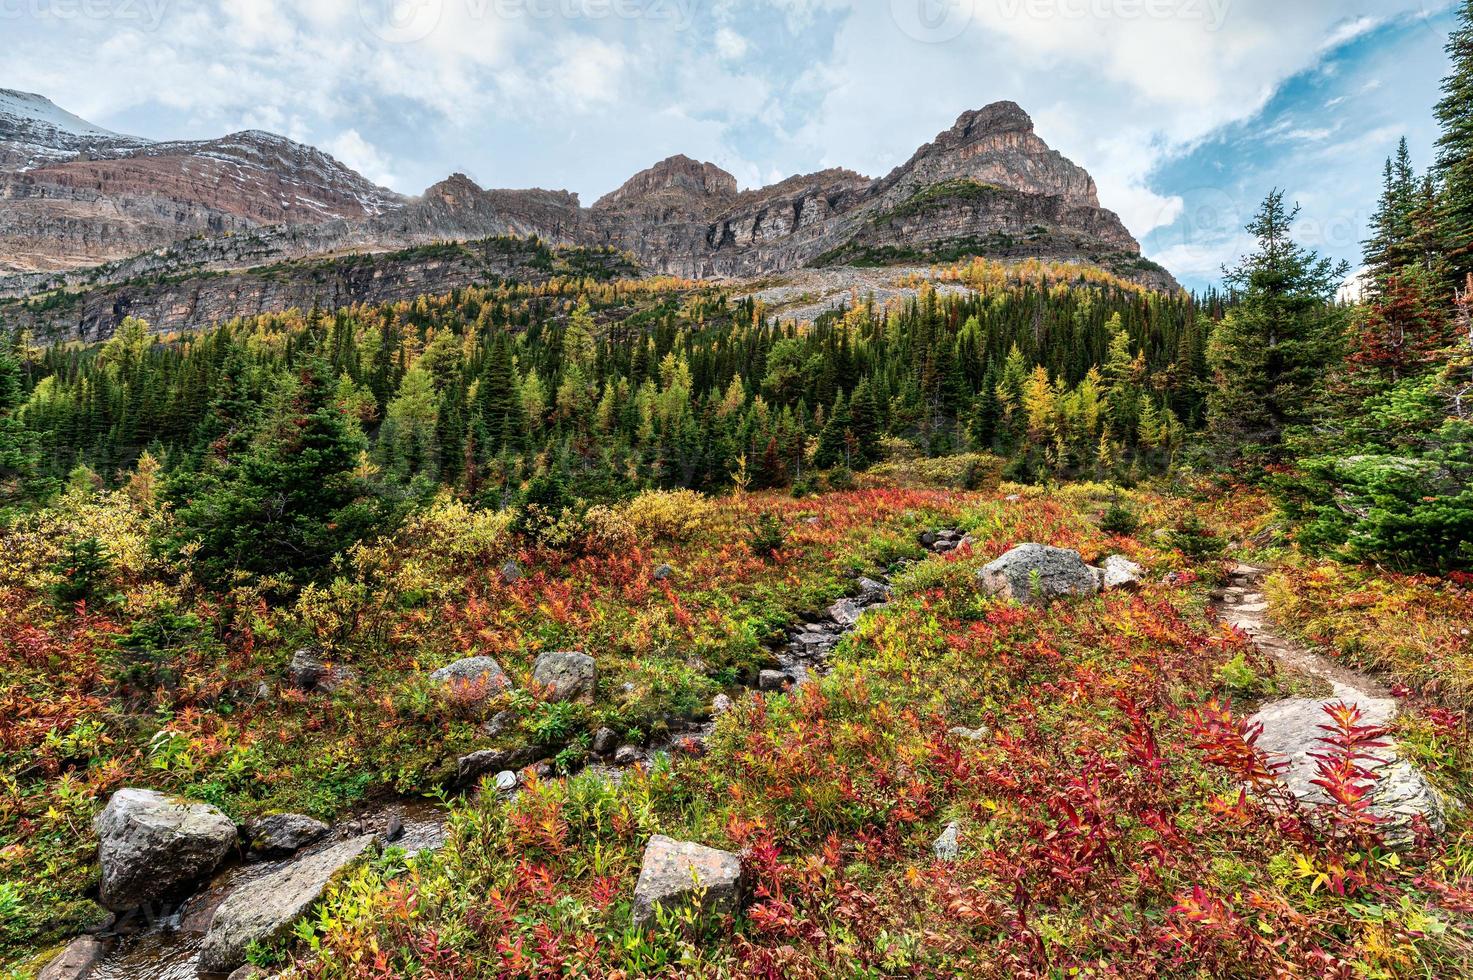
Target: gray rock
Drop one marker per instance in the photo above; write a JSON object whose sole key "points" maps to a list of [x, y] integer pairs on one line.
{"points": [[628, 755], [511, 573], [605, 740], [871, 591], [265, 909], [678, 875], [772, 680], [970, 734], [249, 972], [846, 613], [393, 827], [470, 768], [500, 723], [305, 670], [565, 676], [285, 833], [1120, 572], [77, 961], [481, 677], [664, 573], [948, 845], [721, 705], [506, 781], [928, 540], [152, 845], [1038, 574], [1292, 733]]}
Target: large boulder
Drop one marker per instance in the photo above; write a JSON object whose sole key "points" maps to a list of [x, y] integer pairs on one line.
{"points": [[1037, 574], [265, 909], [1292, 736], [152, 846], [285, 833], [480, 678], [678, 875], [565, 676]]}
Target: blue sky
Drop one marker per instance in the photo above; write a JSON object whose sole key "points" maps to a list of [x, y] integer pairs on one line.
{"points": [[1186, 111]]}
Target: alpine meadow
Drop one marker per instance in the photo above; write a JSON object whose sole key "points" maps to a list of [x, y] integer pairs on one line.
{"points": [[934, 575]]}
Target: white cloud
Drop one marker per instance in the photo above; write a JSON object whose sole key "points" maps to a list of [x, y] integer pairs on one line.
{"points": [[352, 149], [730, 45]]}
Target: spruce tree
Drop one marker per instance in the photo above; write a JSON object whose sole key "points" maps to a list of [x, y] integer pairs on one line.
{"points": [[1270, 353], [1455, 151]]}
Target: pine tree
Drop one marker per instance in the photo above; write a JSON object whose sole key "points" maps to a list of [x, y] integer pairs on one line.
{"points": [[1454, 166], [1392, 245], [17, 446], [1269, 354]]}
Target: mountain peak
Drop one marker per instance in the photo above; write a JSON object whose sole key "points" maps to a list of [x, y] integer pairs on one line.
{"points": [[999, 117], [679, 174], [35, 131]]}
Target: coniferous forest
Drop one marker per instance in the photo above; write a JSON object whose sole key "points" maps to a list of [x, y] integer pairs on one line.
{"points": [[1037, 623]]}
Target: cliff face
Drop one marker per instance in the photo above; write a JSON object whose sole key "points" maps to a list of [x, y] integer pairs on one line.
{"points": [[988, 186], [171, 305]]}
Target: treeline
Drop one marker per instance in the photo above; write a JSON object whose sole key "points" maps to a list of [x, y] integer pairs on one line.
{"points": [[621, 386]]}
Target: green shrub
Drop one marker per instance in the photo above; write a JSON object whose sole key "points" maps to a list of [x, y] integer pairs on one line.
{"points": [[1120, 520]]}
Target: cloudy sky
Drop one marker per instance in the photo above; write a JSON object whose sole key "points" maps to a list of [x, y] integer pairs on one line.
{"points": [[1186, 111]]}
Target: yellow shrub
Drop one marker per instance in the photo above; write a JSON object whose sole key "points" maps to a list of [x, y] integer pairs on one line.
{"points": [[671, 516], [968, 471], [607, 529]]}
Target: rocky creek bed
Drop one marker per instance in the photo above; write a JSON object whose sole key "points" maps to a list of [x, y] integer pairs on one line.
{"points": [[194, 938]]}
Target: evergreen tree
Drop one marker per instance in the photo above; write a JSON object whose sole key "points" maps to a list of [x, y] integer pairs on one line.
{"points": [[290, 500], [17, 446], [1269, 354], [1455, 151]]}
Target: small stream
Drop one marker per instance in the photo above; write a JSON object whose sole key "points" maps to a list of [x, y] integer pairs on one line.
{"points": [[169, 948]]}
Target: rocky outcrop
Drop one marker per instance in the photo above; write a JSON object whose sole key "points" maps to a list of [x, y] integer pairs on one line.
{"points": [[1036, 574], [196, 300], [264, 909], [678, 875], [1119, 572], [152, 845]]}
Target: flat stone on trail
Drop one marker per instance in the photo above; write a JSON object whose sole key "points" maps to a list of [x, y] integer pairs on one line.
{"points": [[265, 909], [678, 875], [1292, 732], [565, 676], [152, 845], [1037, 574]]}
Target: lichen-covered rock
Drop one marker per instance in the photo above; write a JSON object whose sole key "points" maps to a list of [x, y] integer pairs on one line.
{"points": [[511, 573], [846, 612], [677, 874], [265, 909], [152, 845], [565, 676], [664, 573], [1292, 734], [480, 678], [605, 740], [1037, 574], [948, 845], [285, 833]]}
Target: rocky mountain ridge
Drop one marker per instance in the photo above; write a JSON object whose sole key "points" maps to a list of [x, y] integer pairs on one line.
{"points": [[988, 186]]}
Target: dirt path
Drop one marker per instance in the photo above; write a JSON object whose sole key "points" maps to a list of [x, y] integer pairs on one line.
{"points": [[1246, 607], [1292, 730]]}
